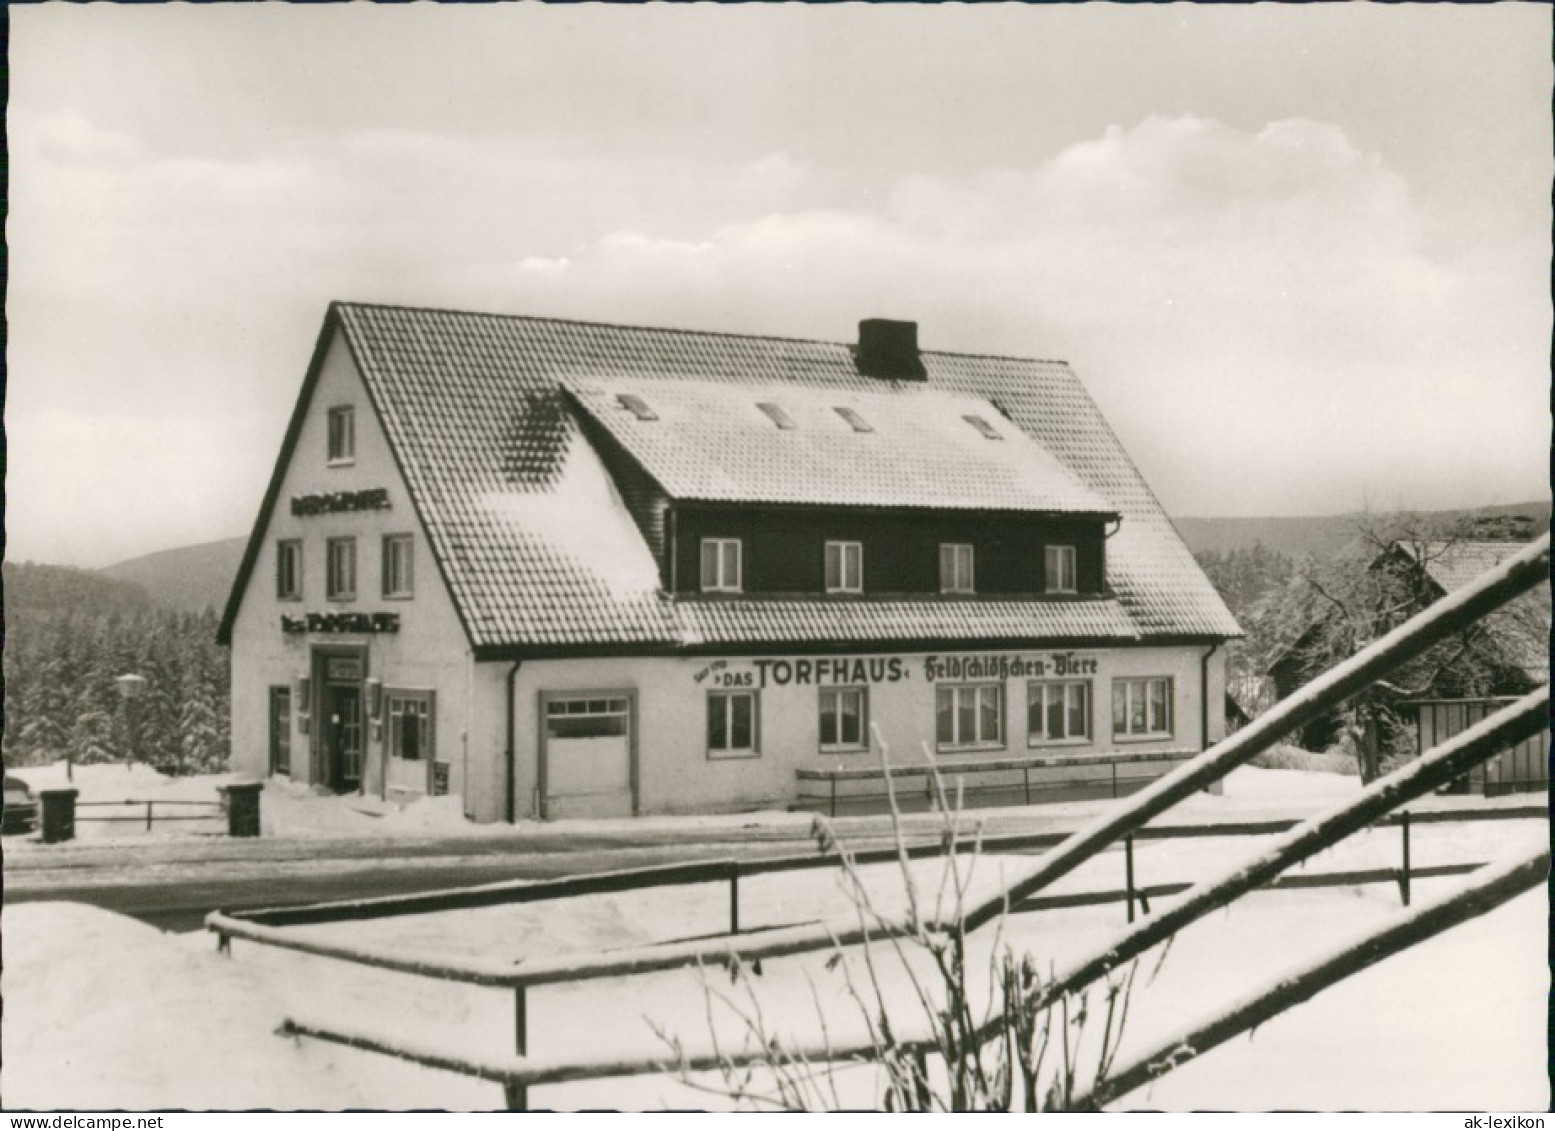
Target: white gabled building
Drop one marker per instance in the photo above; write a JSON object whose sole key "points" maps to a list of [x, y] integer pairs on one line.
{"points": [[570, 569]]}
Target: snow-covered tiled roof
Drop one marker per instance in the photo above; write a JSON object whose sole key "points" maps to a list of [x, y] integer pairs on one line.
{"points": [[1521, 628], [477, 414], [769, 443]]}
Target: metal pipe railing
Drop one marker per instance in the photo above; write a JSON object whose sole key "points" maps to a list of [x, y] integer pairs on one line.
{"points": [[1453, 613], [1488, 890]]}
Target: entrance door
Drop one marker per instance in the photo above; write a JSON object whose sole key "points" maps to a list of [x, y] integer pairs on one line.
{"points": [[343, 736], [587, 766]]}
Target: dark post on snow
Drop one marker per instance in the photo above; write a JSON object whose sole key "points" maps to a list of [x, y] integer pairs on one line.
{"points": [[130, 686], [59, 815], [242, 801]]}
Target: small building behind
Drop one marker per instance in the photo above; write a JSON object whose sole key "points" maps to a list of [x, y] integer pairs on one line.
{"points": [[564, 569], [1503, 656]]}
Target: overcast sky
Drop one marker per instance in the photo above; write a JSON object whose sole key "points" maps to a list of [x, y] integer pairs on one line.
{"points": [[1299, 255]]}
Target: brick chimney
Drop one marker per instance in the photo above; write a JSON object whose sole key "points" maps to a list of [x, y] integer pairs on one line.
{"points": [[889, 350]]}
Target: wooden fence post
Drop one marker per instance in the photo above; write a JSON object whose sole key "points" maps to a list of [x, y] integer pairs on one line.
{"points": [[1128, 873], [734, 898], [517, 1095], [1403, 876]]}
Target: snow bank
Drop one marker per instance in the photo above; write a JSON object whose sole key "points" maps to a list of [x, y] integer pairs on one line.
{"points": [[103, 1012]]}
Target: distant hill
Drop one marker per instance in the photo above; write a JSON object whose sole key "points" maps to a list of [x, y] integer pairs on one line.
{"points": [[1319, 535], [49, 588], [189, 577]]}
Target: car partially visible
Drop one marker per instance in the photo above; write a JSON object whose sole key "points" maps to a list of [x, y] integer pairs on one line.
{"points": [[21, 807]]}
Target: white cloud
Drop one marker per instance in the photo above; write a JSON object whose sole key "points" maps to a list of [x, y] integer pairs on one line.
{"points": [[1256, 310]]}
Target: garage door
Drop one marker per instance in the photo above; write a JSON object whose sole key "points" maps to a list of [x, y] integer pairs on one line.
{"points": [[588, 756]]}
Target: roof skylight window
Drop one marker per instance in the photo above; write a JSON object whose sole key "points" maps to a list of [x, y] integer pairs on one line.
{"points": [[777, 415], [988, 430], [855, 421], [636, 406]]}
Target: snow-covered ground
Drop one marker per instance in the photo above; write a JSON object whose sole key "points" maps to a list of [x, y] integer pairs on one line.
{"points": [[103, 1011], [292, 811]]}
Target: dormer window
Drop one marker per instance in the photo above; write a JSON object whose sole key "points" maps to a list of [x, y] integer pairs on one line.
{"points": [[988, 430], [955, 568], [342, 434], [636, 406], [855, 421], [776, 414], [721, 564], [844, 567], [1058, 569]]}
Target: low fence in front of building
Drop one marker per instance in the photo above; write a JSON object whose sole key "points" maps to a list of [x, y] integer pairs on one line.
{"points": [[1046, 777], [61, 811]]}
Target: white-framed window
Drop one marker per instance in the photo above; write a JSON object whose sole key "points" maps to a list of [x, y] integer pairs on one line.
{"points": [[1058, 711], [955, 568], [844, 567], [844, 718], [721, 565], [288, 570], [588, 718], [410, 729], [1059, 574], [1142, 708], [340, 569], [733, 722], [969, 714], [342, 434], [399, 556]]}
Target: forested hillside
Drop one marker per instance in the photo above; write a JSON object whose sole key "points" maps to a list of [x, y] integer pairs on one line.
{"points": [[188, 577], [69, 633]]}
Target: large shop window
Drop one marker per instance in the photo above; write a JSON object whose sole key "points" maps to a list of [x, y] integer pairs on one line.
{"points": [[398, 565], [1142, 708], [732, 724], [1058, 711], [955, 568], [340, 571], [721, 565], [342, 434], [969, 714], [586, 718], [288, 570], [844, 567], [844, 718], [1058, 569], [410, 725]]}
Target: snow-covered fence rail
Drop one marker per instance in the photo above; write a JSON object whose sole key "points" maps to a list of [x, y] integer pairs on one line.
{"points": [[1488, 890], [1437, 767], [1454, 613], [1492, 886], [731, 871]]}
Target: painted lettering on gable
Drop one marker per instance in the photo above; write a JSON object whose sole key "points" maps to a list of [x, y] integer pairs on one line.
{"points": [[334, 502]]}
